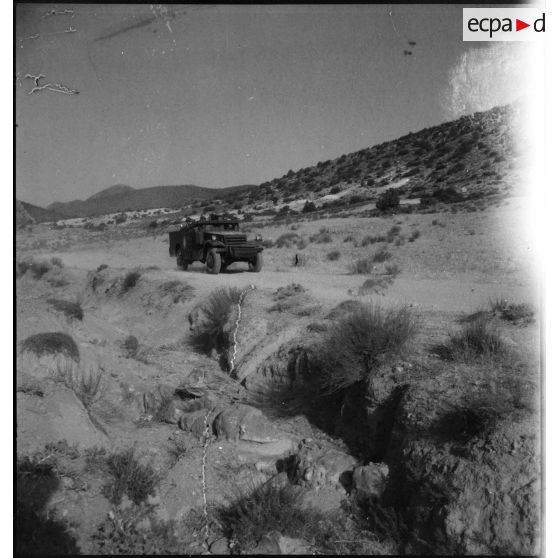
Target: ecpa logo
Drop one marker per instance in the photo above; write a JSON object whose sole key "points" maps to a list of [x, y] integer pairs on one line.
{"points": [[503, 24]]}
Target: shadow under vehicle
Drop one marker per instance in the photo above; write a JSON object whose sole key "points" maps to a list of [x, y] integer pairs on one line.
{"points": [[218, 242]]}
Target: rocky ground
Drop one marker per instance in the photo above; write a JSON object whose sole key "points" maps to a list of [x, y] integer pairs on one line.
{"points": [[132, 426]]}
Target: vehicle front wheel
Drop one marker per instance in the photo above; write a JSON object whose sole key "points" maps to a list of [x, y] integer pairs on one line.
{"points": [[213, 262], [256, 264], [180, 261]]}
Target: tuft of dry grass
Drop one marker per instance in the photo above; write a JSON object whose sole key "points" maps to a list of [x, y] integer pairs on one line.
{"points": [[51, 343], [88, 385], [130, 280], [477, 339], [129, 477], [361, 341], [361, 266], [71, 310], [207, 332], [381, 255], [333, 256]]}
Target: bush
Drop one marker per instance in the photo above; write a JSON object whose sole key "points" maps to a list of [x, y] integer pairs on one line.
{"points": [[388, 200], [361, 342], [266, 508], [512, 312], [478, 339], [129, 477], [333, 256], [414, 236], [87, 385], [125, 534], [286, 240], [101, 267], [131, 346], [323, 237], [153, 225], [309, 207], [51, 343], [361, 266], [130, 280], [393, 269], [371, 240], [381, 255], [36, 268], [72, 310], [207, 333], [375, 285]]}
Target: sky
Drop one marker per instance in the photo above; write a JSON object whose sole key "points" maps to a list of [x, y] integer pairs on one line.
{"points": [[225, 95]]}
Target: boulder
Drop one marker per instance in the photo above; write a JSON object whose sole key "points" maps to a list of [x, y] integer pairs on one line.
{"points": [[276, 543], [369, 480], [242, 422], [220, 546], [316, 465], [195, 422], [171, 412]]}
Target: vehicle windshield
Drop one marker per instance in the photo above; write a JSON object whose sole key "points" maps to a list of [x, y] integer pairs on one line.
{"points": [[223, 226]]}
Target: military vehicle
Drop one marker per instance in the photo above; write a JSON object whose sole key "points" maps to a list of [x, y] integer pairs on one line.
{"points": [[217, 242]]}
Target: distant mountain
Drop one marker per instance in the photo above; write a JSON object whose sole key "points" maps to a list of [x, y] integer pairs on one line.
{"points": [[125, 198], [115, 190], [27, 214]]}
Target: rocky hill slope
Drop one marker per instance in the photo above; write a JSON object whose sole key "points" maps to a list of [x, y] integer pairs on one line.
{"points": [[466, 159], [474, 157]]}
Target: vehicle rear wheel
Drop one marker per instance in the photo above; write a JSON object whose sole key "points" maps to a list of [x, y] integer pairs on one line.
{"points": [[180, 261], [256, 264], [213, 262]]}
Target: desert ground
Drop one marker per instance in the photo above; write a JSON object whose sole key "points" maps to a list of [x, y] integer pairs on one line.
{"points": [[152, 429]]}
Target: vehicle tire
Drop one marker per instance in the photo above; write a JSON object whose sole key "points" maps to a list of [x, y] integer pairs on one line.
{"points": [[180, 261], [213, 262], [256, 265]]}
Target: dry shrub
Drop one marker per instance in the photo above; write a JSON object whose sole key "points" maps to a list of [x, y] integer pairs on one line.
{"points": [[130, 345], [381, 255], [51, 343], [376, 284], [477, 339], [361, 266], [130, 280], [333, 256], [178, 290], [287, 240], [71, 310], [37, 268], [360, 342], [88, 385], [129, 477], [273, 507], [288, 291], [393, 269], [323, 237], [207, 331]]}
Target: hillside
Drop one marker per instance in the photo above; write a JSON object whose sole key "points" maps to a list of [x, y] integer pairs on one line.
{"points": [[111, 191], [466, 159], [125, 198], [27, 214]]}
